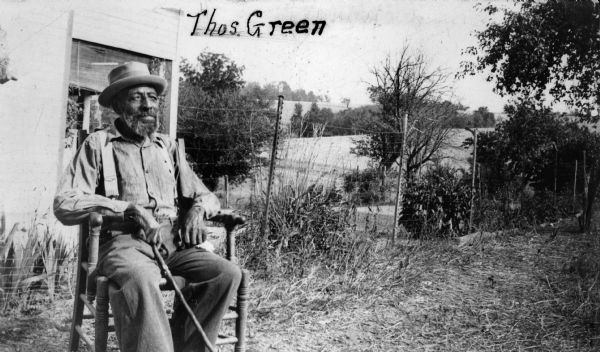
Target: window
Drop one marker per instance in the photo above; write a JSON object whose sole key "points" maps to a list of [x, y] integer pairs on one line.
{"points": [[90, 65]]}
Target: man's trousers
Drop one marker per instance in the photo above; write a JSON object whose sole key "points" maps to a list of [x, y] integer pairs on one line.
{"points": [[141, 322]]}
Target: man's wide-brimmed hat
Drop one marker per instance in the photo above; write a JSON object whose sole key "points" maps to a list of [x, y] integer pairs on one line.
{"points": [[128, 75]]}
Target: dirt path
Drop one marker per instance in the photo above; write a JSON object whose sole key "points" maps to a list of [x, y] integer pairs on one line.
{"points": [[522, 292]]}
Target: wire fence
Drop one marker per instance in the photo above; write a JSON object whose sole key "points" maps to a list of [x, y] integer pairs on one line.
{"points": [[36, 266]]}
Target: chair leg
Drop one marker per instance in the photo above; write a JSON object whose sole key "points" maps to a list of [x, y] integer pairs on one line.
{"points": [[242, 310], [101, 328], [77, 304]]}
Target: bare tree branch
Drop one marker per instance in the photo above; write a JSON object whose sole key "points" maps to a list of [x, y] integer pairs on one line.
{"points": [[407, 86]]}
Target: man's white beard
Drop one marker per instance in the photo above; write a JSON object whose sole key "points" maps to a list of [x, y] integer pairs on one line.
{"points": [[140, 127]]}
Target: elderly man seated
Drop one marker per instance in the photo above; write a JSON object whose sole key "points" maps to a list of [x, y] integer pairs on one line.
{"points": [[137, 193]]}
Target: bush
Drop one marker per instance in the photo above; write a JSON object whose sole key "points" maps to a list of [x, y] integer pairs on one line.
{"points": [[364, 186], [438, 204], [510, 208], [541, 207]]}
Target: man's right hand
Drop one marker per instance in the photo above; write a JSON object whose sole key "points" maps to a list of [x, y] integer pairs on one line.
{"points": [[148, 226]]}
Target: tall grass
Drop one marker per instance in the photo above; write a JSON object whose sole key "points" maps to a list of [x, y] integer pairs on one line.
{"points": [[584, 270], [309, 224], [35, 264]]}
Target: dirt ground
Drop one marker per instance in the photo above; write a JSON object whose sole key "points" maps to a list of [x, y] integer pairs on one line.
{"points": [[520, 292]]}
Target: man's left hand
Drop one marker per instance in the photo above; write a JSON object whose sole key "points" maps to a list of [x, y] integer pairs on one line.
{"points": [[194, 227]]}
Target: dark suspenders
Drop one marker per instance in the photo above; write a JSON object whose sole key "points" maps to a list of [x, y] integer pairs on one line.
{"points": [[109, 171]]}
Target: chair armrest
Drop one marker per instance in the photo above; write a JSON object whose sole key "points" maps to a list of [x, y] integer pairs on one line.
{"points": [[229, 221]]}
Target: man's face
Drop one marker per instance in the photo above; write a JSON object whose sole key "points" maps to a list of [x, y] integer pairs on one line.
{"points": [[140, 110]]}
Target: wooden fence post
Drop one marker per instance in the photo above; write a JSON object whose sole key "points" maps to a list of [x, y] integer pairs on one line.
{"points": [[226, 191], [265, 220], [474, 172], [575, 188], [586, 180], [399, 194]]}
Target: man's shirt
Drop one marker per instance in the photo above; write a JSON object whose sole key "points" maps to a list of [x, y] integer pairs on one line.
{"points": [[145, 172]]}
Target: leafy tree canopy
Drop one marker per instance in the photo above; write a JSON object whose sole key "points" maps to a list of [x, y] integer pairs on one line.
{"points": [[521, 147], [353, 121], [538, 147], [480, 118], [224, 129], [213, 73], [543, 48], [274, 89]]}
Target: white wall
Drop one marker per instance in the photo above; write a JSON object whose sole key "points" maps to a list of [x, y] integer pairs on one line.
{"points": [[147, 31], [32, 109]]}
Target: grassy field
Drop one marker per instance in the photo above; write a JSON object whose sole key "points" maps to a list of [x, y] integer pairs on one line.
{"points": [[326, 160], [326, 153], [333, 153], [519, 292]]}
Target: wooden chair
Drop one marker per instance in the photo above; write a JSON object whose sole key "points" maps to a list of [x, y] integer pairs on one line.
{"points": [[91, 286]]}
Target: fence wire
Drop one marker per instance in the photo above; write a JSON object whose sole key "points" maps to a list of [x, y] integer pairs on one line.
{"points": [[36, 269]]}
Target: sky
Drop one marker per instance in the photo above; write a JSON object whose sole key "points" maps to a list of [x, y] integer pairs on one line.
{"points": [[357, 37]]}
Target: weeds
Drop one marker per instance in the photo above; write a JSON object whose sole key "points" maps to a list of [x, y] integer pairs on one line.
{"points": [[438, 204], [309, 226], [35, 264], [369, 186], [584, 270]]}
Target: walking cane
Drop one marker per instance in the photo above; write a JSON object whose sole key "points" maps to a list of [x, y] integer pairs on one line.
{"points": [[169, 276]]}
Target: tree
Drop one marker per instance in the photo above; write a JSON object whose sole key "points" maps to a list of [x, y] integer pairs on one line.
{"points": [[223, 129], [297, 123], [545, 52], [213, 73], [520, 148], [483, 118], [536, 147], [314, 122], [408, 87], [480, 118], [324, 119], [352, 121], [346, 102], [273, 89]]}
